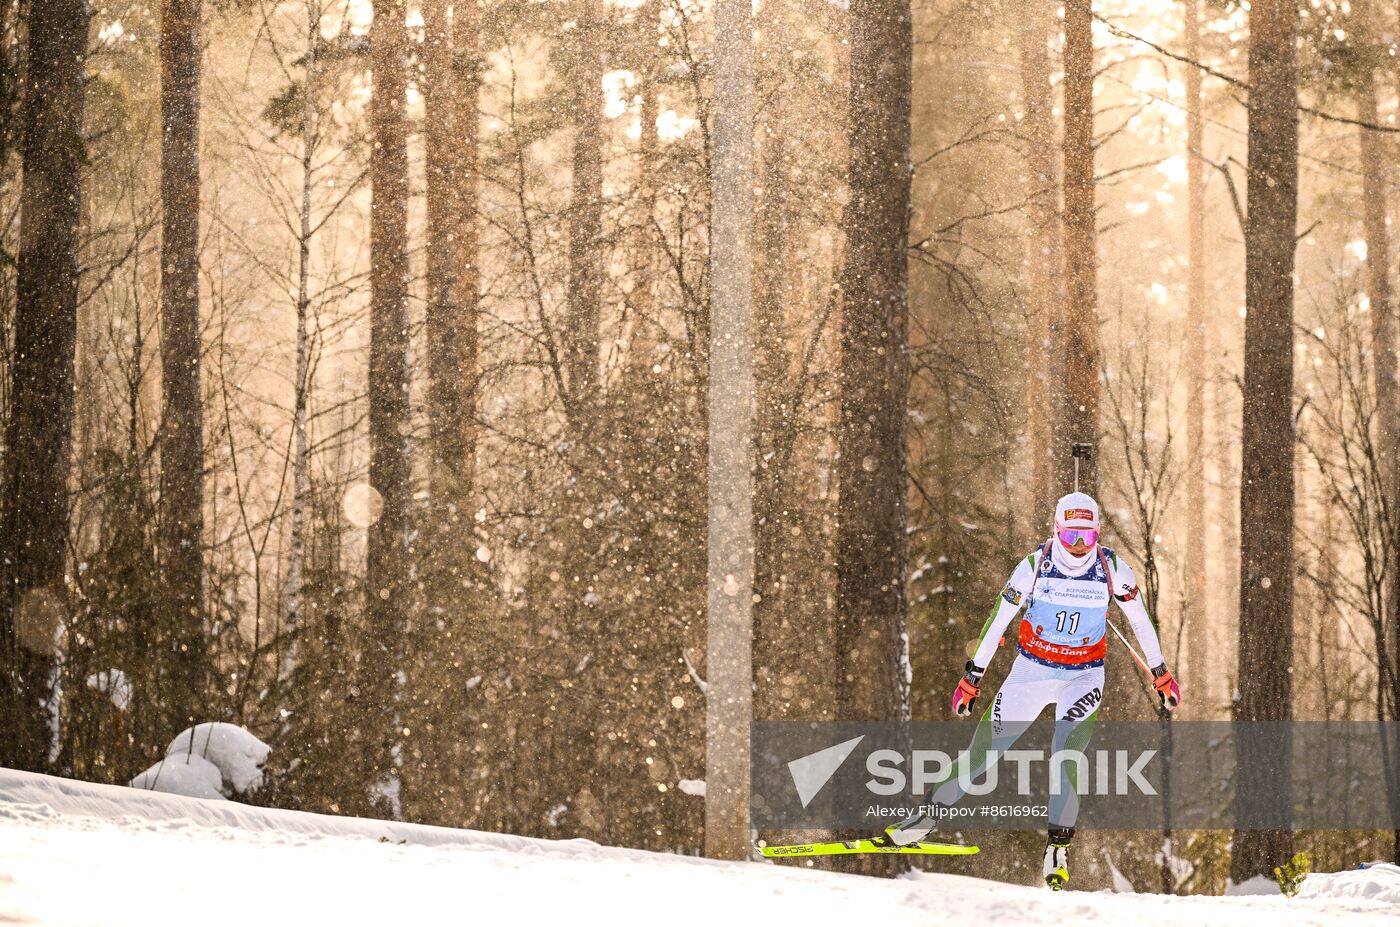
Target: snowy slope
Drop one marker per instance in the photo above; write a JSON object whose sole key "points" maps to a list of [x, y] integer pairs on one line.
{"points": [[78, 854]]}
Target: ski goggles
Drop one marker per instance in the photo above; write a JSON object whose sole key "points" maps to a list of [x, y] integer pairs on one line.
{"points": [[1072, 536]]}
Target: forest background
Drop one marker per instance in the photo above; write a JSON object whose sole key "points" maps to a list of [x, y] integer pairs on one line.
{"points": [[356, 373]]}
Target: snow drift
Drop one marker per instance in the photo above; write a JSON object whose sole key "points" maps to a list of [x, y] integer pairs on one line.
{"points": [[74, 853], [1378, 882], [192, 776]]}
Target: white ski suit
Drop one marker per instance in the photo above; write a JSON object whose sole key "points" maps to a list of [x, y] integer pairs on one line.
{"points": [[1061, 644]]}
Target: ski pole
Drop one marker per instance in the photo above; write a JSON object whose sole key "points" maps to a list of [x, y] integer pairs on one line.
{"points": [[1140, 661]]}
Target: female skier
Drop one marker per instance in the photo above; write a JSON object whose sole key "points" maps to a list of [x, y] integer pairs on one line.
{"points": [[1065, 586]]}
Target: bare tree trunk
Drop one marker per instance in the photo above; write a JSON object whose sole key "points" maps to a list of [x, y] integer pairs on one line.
{"points": [[1266, 476], [644, 243], [1079, 418], [586, 211], [182, 417], [1378, 282], [1394, 597], [451, 80], [387, 563], [1044, 267], [871, 641], [772, 479], [1395, 573], [1375, 210], [729, 659], [38, 443], [1195, 617], [296, 551], [447, 566]]}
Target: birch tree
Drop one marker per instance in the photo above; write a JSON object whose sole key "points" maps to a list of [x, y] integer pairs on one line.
{"points": [[296, 552]]}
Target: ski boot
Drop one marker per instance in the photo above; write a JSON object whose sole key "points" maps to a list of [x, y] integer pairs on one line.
{"points": [[911, 830], [1057, 857]]}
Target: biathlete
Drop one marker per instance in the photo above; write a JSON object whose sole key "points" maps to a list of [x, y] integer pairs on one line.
{"points": [[1062, 591]]}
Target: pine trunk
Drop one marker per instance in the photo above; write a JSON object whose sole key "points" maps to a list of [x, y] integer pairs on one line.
{"points": [[447, 567], [1266, 475], [644, 243], [1079, 416], [871, 643], [451, 79], [729, 617], [774, 637], [1378, 281], [1394, 597], [39, 437], [1386, 434], [1195, 619], [586, 213], [387, 565], [182, 418], [1044, 266]]}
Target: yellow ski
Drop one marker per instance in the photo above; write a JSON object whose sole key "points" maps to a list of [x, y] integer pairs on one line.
{"points": [[845, 847]]}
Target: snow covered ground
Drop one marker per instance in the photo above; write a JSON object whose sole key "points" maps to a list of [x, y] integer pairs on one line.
{"points": [[78, 854]]}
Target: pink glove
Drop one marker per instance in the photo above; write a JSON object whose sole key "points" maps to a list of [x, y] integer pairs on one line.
{"points": [[969, 687], [1167, 689]]}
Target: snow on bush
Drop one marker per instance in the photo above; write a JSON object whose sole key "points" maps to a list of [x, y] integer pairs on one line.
{"points": [[1378, 882], [238, 754], [224, 754], [191, 776]]}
